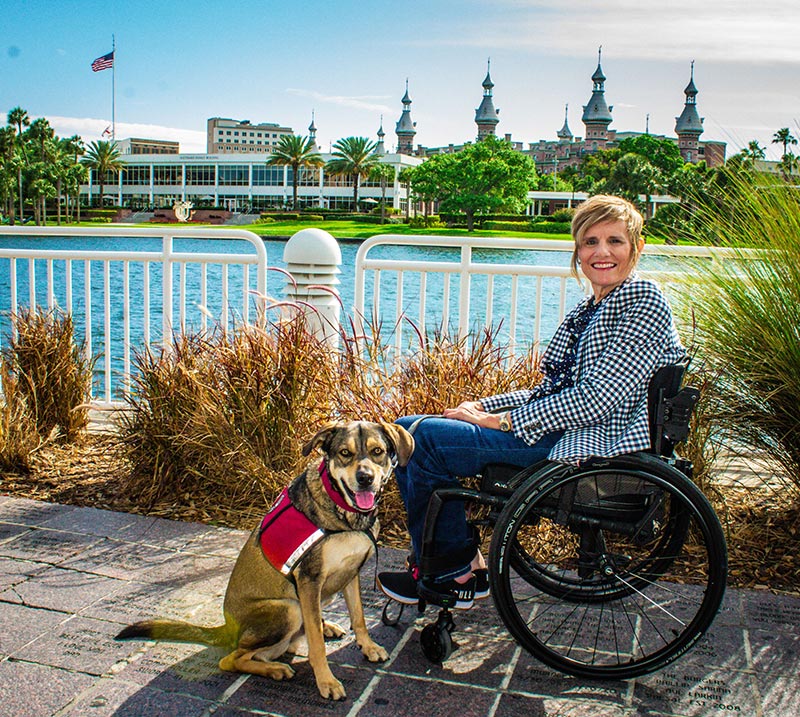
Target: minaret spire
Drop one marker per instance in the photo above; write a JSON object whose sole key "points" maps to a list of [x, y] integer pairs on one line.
{"points": [[312, 132], [597, 114], [565, 133], [486, 115], [405, 128], [380, 147], [689, 126]]}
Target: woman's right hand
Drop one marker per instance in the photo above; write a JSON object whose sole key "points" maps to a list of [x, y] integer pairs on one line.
{"points": [[470, 406]]}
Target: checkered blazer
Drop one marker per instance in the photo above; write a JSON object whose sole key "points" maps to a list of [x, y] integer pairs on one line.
{"points": [[604, 413]]}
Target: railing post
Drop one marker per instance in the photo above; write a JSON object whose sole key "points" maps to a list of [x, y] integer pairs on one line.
{"points": [[313, 258], [166, 294]]}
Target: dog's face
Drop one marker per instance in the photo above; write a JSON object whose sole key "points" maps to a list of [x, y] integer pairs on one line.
{"points": [[360, 457]]}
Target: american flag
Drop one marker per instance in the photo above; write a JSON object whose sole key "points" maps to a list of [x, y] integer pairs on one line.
{"points": [[104, 62]]}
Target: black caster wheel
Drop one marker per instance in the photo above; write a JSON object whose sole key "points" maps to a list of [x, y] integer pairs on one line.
{"points": [[437, 644], [388, 609]]}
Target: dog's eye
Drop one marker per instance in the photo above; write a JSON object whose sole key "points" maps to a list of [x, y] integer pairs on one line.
{"points": [[377, 451], [344, 453]]}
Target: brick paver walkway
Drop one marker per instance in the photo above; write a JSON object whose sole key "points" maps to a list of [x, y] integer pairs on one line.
{"points": [[70, 577]]}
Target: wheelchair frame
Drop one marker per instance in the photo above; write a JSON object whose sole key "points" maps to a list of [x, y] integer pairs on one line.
{"points": [[606, 570]]}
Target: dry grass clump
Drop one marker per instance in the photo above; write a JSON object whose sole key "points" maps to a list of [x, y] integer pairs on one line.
{"points": [[49, 373], [223, 417], [18, 435]]}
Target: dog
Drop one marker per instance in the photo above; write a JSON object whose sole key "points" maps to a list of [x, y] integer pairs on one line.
{"points": [[275, 594]]}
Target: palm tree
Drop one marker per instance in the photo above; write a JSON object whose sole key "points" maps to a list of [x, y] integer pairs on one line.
{"points": [[295, 152], [103, 157], [8, 169], [74, 148], [384, 173], [354, 157], [784, 136], [19, 117], [753, 152]]}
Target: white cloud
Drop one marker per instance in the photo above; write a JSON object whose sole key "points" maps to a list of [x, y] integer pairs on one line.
{"points": [[90, 128], [714, 30], [362, 102]]}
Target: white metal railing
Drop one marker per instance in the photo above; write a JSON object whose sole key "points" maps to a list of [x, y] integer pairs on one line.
{"points": [[463, 266], [180, 286]]}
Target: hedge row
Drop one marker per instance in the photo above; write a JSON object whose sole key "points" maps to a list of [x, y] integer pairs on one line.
{"points": [[551, 227]]}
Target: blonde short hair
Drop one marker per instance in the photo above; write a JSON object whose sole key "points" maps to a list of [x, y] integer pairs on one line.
{"points": [[604, 208]]}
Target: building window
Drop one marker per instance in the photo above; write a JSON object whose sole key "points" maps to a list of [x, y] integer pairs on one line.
{"points": [[200, 175], [136, 175], [234, 175], [265, 175], [167, 175]]}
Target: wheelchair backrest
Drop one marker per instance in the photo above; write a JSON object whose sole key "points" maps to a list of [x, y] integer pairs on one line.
{"points": [[669, 408]]}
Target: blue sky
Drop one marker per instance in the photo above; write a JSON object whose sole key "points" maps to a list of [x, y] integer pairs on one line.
{"points": [[179, 63]]}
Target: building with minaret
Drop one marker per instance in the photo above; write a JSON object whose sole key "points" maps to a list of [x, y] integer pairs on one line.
{"points": [[380, 147], [312, 133], [596, 113], [405, 129], [689, 126], [565, 133], [486, 116]]}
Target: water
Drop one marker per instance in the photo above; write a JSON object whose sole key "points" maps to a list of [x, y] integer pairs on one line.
{"points": [[194, 318]]}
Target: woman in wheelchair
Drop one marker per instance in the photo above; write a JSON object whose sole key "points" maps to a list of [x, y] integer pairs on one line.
{"points": [[592, 401]]}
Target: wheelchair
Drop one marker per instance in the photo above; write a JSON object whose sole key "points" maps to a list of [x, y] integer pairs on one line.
{"points": [[610, 569]]}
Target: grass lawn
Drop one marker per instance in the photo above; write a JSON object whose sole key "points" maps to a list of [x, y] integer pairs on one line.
{"points": [[350, 229], [344, 229]]}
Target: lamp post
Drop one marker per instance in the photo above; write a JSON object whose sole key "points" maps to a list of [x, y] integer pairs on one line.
{"points": [[555, 172]]}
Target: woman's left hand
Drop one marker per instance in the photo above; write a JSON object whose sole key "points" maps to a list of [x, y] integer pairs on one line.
{"points": [[468, 412]]}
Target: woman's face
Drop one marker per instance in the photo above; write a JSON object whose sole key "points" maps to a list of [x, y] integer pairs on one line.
{"points": [[605, 253]]}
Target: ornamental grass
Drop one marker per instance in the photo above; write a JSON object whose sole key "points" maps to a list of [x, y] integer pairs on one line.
{"points": [[220, 419], [46, 371], [745, 307]]}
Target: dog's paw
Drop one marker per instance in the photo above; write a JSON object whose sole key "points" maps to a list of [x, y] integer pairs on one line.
{"points": [[332, 630], [331, 689], [280, 671], [374, 652]]}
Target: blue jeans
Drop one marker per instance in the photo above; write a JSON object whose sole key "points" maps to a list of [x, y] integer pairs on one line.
{"points": [[443, 449]]}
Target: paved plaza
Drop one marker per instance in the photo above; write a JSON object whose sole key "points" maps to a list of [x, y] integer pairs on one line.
{"points": [[71, 577]]}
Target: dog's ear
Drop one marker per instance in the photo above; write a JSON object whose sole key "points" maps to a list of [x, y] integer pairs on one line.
{"points": [[320, 437], [401, 440]]}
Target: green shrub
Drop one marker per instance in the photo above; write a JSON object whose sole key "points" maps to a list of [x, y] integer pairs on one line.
{"points": [[263, 219], [432, 221], [562, 215], [506, 226], [551, 227], [282, 216], [49, 371]]}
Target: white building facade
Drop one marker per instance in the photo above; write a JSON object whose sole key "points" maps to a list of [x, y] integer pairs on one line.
{"points": [[238, 183]]}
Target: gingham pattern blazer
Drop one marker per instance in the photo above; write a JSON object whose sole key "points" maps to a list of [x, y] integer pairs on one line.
{"points": [[604, 413]]}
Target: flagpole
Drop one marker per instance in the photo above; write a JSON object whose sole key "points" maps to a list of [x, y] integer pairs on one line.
{"points": [[113, 88]]}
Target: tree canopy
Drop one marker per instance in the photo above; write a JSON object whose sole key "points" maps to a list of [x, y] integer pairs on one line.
{"points": [[483, 177]]}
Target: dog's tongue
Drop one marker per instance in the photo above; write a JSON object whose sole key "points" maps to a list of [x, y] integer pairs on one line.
{"points": [[365, 499]]}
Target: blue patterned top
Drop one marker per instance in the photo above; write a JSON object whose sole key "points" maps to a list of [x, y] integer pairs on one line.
{"points": [[597, 369]]}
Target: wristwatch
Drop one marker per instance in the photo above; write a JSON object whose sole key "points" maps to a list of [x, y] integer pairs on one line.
{"points": [[505, 422]]}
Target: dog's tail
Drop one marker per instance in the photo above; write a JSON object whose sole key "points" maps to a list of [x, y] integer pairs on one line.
{"points": [[177, 631]]}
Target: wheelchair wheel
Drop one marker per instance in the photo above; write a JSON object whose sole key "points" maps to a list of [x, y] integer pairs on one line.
{"points": [[608, 571], [657, 525]]}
